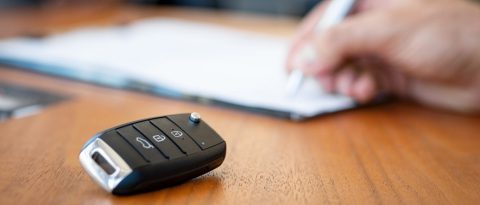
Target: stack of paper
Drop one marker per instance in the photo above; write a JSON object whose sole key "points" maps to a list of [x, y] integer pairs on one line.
{"points": [[178, 59]]}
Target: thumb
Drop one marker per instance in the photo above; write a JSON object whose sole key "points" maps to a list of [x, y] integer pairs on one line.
{"points": [[359, 35]]}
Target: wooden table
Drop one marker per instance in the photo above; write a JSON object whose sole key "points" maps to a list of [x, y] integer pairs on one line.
{"points": [[396, 153]]}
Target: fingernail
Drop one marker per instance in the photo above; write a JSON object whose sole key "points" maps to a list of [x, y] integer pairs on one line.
{"points": [[364, 89]]}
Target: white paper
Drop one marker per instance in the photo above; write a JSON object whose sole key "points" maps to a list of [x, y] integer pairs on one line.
{"points": [[192, 58]]}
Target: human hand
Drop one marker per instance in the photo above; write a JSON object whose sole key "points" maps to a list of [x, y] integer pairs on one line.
{"points": [[425, 50]]}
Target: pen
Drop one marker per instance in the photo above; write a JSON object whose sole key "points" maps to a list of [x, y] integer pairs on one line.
{"points": [[335, 12]]}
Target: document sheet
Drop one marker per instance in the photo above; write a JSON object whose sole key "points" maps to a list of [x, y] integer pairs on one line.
{"points": [[179, 59]]}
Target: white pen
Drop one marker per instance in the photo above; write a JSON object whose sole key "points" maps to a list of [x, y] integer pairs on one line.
{"points": [[335, 12]]}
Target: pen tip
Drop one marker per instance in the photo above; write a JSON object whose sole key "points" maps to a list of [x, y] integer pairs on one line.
{"points": [[294, 82]]}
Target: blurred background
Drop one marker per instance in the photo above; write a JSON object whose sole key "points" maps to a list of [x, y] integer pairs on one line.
{"points": [[271, 7]]}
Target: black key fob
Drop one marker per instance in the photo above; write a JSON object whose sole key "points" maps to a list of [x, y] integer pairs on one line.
{"points": [[152, 153]]}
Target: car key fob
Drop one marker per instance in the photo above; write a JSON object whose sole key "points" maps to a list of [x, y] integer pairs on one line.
{"points": [[152, 153]]}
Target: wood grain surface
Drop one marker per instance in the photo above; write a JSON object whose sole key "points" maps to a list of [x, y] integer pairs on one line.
{"points": [[396, 153]]}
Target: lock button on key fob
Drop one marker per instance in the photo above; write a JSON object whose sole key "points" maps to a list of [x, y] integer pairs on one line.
{"points": [[152, 153]]}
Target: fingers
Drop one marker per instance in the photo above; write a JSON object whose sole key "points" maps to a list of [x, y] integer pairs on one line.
{"points": [[360, 35], [349, 42], [364, 88], [359, 83], [345, 81], [327, 82], [364, 34], [304, 35]]}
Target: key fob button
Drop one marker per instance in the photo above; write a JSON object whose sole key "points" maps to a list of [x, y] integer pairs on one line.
{"points": [[123, 148], [141, 144], [162, 142], [180, 137], [200, 132]]}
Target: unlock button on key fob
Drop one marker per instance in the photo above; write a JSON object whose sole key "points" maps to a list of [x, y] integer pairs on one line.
{"points": [[165, 145], [141, 144], [180, 137]]}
